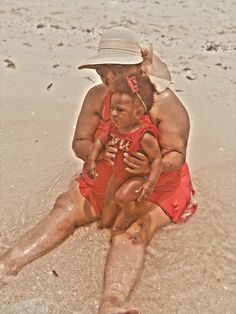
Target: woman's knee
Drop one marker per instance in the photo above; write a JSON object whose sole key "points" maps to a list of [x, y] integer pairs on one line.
{"points": [[67, 207], [73, 207], [64, 200]]}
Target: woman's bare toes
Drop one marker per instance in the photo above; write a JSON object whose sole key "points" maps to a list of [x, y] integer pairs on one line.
{"points": [[130, 311], [108, 308], [5, 278]]}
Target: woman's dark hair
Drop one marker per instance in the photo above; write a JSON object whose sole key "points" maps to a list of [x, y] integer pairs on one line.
{"points": [[145, 88]]}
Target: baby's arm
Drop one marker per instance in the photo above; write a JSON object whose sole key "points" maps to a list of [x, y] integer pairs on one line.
{"points": [[151, 148], [91, 166]]}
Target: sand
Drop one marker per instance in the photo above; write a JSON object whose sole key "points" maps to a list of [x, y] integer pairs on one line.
{"points": [[188, 268]]}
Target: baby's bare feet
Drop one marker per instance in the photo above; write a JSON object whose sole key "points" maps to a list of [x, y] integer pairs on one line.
{"points": [[101, 225], [123, 221]]}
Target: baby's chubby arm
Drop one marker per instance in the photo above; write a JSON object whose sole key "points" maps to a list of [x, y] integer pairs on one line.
{"points": [[151, 148], [93, 156]]}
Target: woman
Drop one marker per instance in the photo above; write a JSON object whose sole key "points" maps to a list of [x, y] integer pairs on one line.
{"points": [[119, 53], [130, 130]]}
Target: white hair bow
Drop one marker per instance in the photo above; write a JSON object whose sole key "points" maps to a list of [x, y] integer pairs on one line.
{"points": [[155, 69]]}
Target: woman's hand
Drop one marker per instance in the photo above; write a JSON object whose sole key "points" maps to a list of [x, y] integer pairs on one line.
{"points": [[138, 163]]}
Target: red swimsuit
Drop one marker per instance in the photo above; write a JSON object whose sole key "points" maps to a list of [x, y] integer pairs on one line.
{"points": [[173, 191], [126, 143]]}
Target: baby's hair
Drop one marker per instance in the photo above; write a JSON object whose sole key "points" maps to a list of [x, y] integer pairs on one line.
{"points": [[146, 89]]}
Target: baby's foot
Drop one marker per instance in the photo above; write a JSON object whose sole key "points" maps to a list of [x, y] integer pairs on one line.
{"points": [[101, 225], [123, 221]]}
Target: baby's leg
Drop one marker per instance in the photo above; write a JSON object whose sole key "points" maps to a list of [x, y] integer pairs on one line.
{"points": [[126, 197], [110, 208]]}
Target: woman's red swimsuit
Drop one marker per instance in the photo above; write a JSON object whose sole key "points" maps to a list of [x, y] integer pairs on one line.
{"points": [[173, 191]]}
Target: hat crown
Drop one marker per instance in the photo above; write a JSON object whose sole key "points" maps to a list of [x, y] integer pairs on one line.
{"points": [[118, 45], [120, 39], [120, 33]]}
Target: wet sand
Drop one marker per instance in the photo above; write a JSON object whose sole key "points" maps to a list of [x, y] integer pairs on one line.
{"points": [[189, 268]]}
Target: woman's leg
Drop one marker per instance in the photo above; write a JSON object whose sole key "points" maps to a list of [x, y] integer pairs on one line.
{"points": [[70, 210], [125, 259]]}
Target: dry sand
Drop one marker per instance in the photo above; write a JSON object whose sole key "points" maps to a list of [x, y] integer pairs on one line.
{"points": [[188, 268]]}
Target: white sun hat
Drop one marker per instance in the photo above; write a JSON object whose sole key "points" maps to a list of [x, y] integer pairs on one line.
{"points": [[120, 45], [117, 45]]}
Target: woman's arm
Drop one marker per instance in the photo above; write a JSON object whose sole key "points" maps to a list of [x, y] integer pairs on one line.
{"points": [[172, 120], [88, 121]]}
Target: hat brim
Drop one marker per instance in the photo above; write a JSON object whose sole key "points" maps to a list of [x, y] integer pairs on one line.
{"points": [[111, 57]]}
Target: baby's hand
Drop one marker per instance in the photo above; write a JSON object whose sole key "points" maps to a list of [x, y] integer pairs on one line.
{"points": [[91, 170], [110, 152], [145, 190]]}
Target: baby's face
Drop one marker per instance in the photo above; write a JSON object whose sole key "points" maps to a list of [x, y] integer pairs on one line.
{"points": [[125, 112]]}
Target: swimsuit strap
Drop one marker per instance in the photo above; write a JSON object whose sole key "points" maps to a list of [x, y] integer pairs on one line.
{"points": [[146, 127], [105, 117], [106, 107]]}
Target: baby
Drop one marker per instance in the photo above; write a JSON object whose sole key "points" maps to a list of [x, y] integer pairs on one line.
{"points": [[130, 130]]}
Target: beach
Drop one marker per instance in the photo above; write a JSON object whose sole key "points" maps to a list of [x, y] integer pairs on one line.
{"points": [[189, 268]]}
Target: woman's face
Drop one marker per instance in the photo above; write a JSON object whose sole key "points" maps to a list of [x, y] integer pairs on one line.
{"points": [[109, 72]]}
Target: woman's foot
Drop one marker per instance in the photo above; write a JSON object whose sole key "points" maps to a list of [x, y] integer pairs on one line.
{"points": [[5, 275], [109, 308]]}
